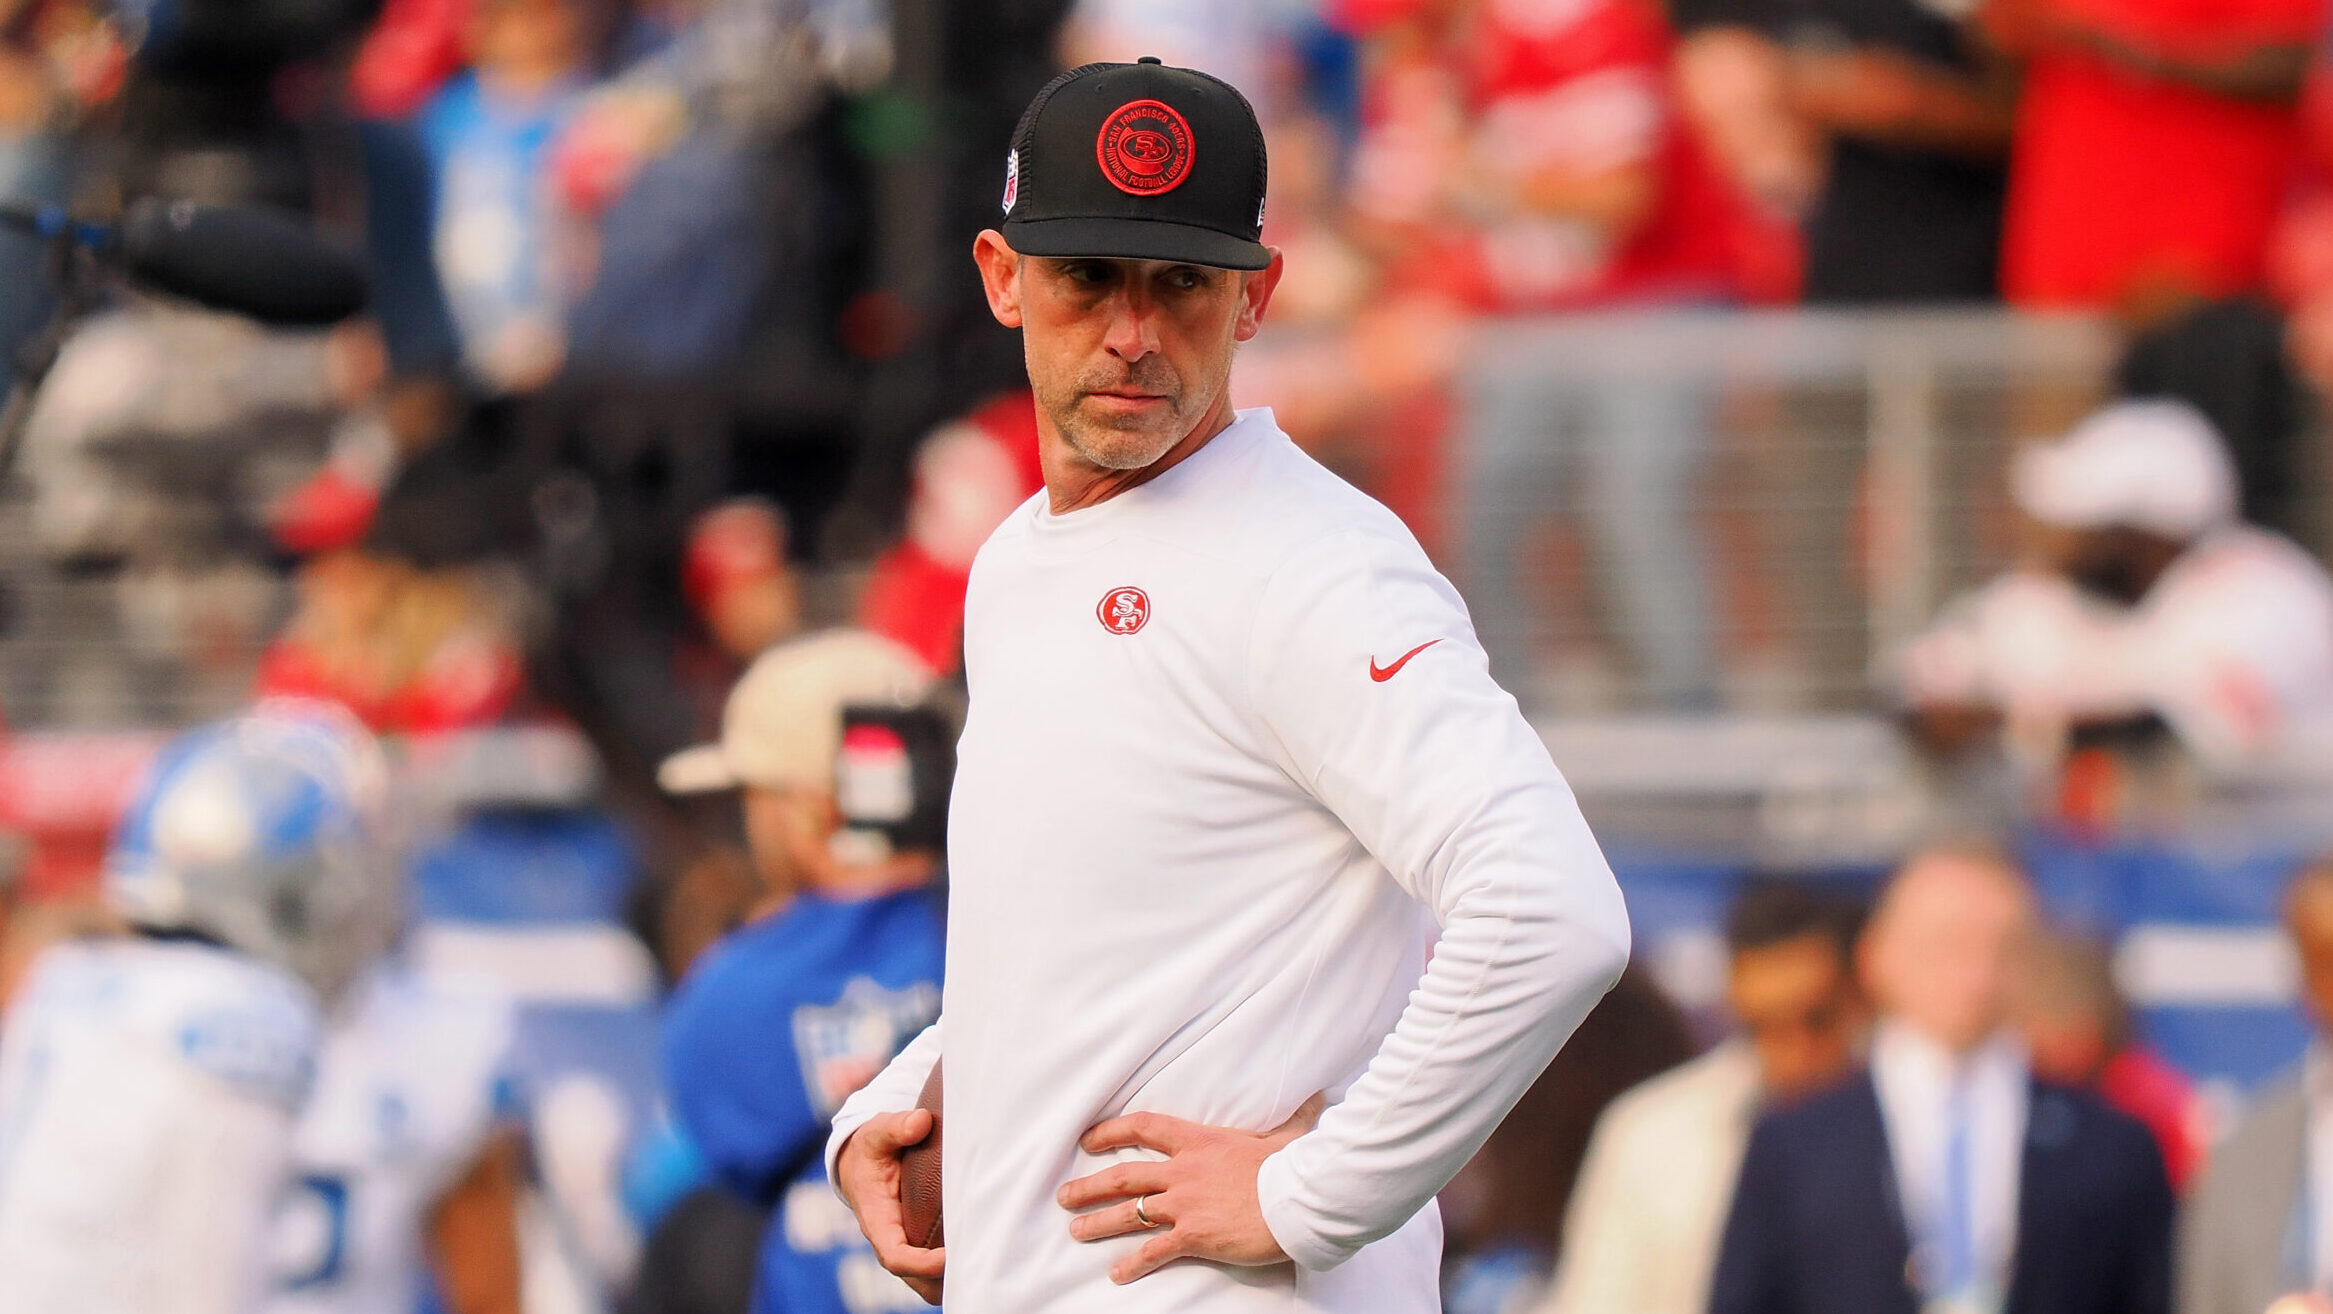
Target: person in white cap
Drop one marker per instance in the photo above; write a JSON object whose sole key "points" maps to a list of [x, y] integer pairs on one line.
{"points": [[2150, 599], [843, 770]]}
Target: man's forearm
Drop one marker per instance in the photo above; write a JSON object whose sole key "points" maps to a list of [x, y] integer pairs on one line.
{"points": [[1525, 954], [1883, 96], [474, 1233], [2271, 73]]}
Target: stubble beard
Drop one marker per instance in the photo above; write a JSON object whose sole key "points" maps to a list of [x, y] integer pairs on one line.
{"points": [[1112, 442]]}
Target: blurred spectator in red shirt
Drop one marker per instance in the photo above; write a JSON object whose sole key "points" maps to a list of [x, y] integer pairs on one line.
{"points": [[1526, 155], [742, 590], [1910, 114], [1520, 157], [969, 475], [2154, 143], [736, 578], [1734, 85], [2078, 1028], [406, 650]]}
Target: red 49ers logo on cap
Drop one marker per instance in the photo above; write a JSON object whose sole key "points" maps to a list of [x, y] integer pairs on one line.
{"points": [[1123, 611], [1145, 148]]}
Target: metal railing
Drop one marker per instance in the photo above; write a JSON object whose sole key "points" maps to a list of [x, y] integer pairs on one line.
{"points": [[1846, 482]]}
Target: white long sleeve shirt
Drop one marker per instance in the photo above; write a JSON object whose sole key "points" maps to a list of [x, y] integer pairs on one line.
{"points": [[1232, 748]]}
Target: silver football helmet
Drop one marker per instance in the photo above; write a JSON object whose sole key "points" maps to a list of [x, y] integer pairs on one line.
{"points": [[268, 833]]}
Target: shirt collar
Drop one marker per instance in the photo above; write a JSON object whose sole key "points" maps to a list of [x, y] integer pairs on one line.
{"points": [[1245, 426], [1918, 1058]]}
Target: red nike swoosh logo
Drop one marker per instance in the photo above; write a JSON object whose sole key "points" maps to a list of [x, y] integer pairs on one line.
{"points": [[1383, 673]]}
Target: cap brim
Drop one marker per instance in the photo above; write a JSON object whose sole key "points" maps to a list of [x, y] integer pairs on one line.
{"points": [[704, 769], [2053, 490], [1135, 239]]}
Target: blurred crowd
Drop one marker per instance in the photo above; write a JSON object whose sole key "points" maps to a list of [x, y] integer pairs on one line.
{"points": [[1932, 1097], [631, 260], [635, 516]]}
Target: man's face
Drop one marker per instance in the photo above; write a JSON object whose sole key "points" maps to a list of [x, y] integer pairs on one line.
{"points": [[781, 831], [1946, 949], [1126, 356], [2113, 562], [2308, 919], [1797, 1002]]}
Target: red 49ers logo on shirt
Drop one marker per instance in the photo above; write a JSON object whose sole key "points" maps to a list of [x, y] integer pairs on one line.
{"points": [[1123, 611], [1145, 148]]}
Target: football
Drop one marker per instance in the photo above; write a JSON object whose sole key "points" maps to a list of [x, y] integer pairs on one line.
{"points": [[919, 1175]]}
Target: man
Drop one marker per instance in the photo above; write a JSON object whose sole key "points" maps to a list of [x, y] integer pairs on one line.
{"points": [[2156, 603], [149, 1084], [2261, 1224], [407, 1172], [1913, 113], [1641, 1233], [735, 577], [2155, 144], [843, 776], [1231, 741], [1945, 1178], [968, 476], [2079, 1032], [406, 1157]]}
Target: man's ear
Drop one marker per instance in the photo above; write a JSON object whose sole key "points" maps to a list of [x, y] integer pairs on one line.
{"points": [[1257, 289], [1000, 268]]}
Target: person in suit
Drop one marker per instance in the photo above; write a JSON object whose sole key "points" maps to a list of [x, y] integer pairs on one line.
{"points": [[1640, 1234], [2260, 1231], [1943, 1178]]}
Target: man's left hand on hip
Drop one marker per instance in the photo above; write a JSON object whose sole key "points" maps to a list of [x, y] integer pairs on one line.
{"points": [[1200, 1201]]}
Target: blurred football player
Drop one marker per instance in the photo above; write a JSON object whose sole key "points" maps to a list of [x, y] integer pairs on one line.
{"points": [[406, 1172], [149, 1084]]}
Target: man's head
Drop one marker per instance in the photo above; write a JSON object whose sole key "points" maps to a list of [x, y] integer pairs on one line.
{"points": [[1129, 255], [1945, 951], [2308, 919], [532, 43], [735, 576], [822, 740], [2075, 1020], [2116, 500], [272, 834], [1791, 983]]}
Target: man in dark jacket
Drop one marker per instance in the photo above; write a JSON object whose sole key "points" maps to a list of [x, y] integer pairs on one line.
{"points": [[1943, 1178]]}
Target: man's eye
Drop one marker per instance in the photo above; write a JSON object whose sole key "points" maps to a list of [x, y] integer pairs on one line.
{"points": [[1086, 272], [1185, 279]]}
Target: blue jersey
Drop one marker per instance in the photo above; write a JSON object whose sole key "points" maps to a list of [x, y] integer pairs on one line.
{"points": [[492, 221], [770, 1031]]}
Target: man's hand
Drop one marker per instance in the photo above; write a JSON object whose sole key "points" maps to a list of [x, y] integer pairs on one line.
{"points": [[867, 1173], [1201, 1200]]}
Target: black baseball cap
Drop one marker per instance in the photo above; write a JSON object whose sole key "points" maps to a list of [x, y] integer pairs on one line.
{"points": [[1138, 162]]}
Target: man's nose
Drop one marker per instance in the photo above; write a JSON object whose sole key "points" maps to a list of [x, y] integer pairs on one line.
{"points": [[1133, 332]]}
